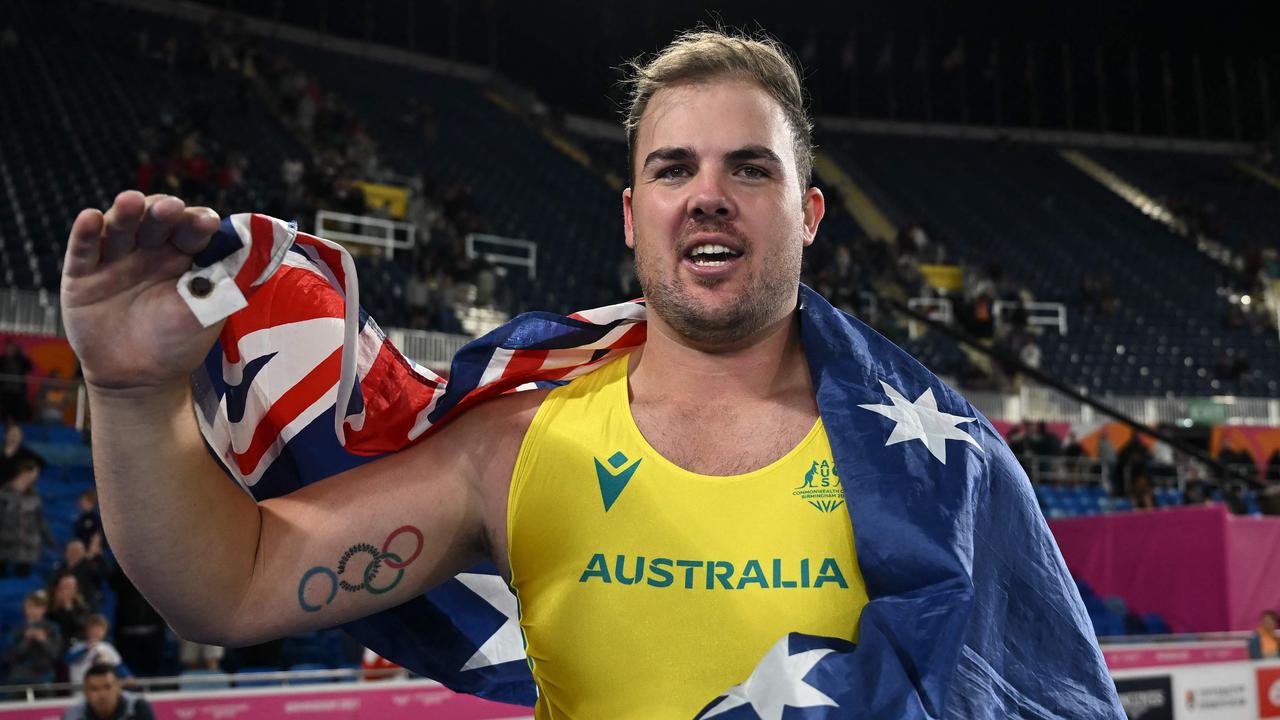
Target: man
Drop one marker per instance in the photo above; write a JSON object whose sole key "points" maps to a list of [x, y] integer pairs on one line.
{"points": [[646, 591], [106, 699]]}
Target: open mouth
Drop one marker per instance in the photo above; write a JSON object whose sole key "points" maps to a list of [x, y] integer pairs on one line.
{"points": [[711, 255]]}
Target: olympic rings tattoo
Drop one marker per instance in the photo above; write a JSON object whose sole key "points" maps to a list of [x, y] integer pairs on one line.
{"points": [[378, 558]]}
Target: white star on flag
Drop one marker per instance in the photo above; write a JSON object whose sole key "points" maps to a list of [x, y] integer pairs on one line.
{"points": [[921, 420], [777, 683], [506, 644]]}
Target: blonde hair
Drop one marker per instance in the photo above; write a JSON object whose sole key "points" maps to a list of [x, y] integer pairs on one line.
{"points": [[707, 54]]}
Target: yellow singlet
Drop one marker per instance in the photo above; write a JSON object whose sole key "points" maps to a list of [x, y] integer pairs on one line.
{"points": [[646, 590]]}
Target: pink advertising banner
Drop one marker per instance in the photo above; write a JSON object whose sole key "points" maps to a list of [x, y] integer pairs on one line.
{"points": [[1125, 657], [383, 701], [1200, 568]]}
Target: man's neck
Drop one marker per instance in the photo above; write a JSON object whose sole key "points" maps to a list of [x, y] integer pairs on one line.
{"points": [[670, 367]]}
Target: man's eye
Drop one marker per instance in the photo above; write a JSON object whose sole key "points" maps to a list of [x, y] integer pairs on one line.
{"points": [[675, 171], [754, 172]]}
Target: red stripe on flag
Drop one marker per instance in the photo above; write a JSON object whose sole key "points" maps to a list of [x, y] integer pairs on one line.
{"points": [[288, 407], [523, 363], [262, 241]]}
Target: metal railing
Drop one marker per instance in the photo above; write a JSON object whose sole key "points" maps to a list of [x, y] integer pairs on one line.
{"points": [[934, 308], [390, 235], [1033, 402], [76, 397], [1059, 469], [200, 681], [495, 248], [1039, 314], [426, 347], [30, 312]]}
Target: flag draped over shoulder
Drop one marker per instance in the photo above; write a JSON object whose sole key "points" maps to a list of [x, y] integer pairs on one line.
{"points": [[972, 612]]}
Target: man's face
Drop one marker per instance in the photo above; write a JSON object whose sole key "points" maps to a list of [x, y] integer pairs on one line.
{"points": [[102, 693], [716, 215]]}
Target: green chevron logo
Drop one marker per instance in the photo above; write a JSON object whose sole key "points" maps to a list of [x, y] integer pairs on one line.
{"points": [[612, 483]]}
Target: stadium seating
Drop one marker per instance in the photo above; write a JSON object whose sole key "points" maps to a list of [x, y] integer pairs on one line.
{"points": [[1050, 226], [1240, 209], [1045, 222], [80, 98]]}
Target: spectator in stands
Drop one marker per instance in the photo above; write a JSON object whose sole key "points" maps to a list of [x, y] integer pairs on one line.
{"points": [[1273, 467], [1263, 643], [1141, 492], [15, 366], [140, 631], [1196, 492], [67, 607], [1134, 460], [24, 530], [1043, 442], [88, 565], [14, 451], [89, 522], [1233, 496], [1106, 454], [34, 644], [106, 699], [93, 650]]}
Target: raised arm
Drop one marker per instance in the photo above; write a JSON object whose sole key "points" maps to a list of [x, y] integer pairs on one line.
{"points": [[220, 567]]}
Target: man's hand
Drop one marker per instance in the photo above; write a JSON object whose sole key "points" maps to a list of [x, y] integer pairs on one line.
{"points": [[120, 304]]}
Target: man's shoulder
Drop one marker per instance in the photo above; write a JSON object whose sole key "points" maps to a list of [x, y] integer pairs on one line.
{"points": [[503, 416]]}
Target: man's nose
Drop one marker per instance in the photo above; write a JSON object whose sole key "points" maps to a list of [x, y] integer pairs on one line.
{"points": [[710, 198]]}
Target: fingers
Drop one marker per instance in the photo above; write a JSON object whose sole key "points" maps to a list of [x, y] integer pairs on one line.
{"points": [[122, 222], [83, 244], [158, 220], [193, 229]]}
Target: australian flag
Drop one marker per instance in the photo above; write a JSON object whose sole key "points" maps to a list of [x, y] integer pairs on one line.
{"points": [[971, 612]]}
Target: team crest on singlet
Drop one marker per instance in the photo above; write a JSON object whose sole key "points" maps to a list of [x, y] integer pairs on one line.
{"points": [[821, 487]]}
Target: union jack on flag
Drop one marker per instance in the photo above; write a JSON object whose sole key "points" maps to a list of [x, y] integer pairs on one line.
{"points": [[971, 614]]}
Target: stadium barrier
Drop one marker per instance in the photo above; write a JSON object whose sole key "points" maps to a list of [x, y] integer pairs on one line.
{"points": [[504, 251], [311, 695], [1220, 691], [375, 232]]}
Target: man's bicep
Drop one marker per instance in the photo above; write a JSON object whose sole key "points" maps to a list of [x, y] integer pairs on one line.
{"points": [[363, 541]]}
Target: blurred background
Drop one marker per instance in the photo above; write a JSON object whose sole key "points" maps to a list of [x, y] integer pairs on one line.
{"points": [[1070, 211]]}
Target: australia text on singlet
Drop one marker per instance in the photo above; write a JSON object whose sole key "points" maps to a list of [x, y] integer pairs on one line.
{"points": [[646, 590]]}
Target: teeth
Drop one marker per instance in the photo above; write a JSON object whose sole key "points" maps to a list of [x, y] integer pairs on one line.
{"points": [[710, 249], [709, 263]]}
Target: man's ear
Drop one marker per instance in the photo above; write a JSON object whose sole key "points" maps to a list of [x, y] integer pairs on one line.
{"points": [[627, 227], [815, 206]]}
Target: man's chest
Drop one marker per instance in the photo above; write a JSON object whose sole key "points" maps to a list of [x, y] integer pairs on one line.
{"points": [[720, 438], [632, 570]]}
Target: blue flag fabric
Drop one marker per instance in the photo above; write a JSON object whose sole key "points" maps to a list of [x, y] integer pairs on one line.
{"points": [[972, 611], [971, 614]]}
